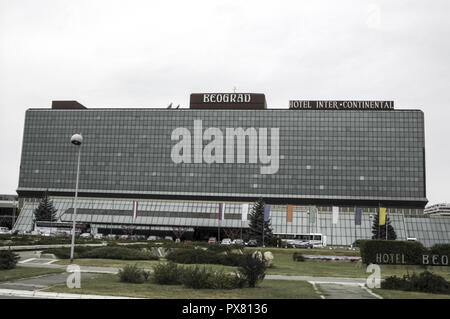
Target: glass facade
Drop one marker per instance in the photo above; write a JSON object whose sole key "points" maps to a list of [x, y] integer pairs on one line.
{"points": [[323, 154], [166, 214]]}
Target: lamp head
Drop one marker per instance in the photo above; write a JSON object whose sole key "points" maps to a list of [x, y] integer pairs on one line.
{"points": [[76, 139]]}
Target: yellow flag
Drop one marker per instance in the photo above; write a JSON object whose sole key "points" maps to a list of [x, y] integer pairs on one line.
{"points": [[382, 217]]}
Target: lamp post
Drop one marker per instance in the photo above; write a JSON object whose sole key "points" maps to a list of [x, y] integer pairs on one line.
{"points": [[76, 139]]}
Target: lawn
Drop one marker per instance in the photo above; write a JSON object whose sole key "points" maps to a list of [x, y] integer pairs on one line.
{"points": [[26, 272], [114, 263], [399, 294], [284, 265], [268, 289]]}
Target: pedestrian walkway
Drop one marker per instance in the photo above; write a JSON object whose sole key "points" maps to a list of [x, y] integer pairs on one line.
{"points": [[40, 282], [345, 291]]}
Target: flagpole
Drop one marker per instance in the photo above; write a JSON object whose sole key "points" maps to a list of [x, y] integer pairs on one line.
{"points": [[354, 224], [386, 225]]}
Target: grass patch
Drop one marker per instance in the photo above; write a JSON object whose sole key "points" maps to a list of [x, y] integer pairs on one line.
{"points": [[399, 294], [114, 263], [268, 289], [26, 272], [284, 265], [142, 264]]}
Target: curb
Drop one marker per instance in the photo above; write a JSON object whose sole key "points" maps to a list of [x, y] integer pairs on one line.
{"points": [[54, 295]]}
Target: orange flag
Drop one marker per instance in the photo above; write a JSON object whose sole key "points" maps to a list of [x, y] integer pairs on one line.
{"points": [[290, 213]]}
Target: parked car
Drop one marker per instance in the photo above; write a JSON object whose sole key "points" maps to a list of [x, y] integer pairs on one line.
{"points": [[238, 242], [152, 238], [85, 235], [212, 240], [252, 243], [124, 237], [226, 241], [168, 238], [4, 230], [111, 236]]}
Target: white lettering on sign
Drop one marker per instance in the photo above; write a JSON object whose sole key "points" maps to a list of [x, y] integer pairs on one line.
{"points": [[227, 98], [341, 105]]}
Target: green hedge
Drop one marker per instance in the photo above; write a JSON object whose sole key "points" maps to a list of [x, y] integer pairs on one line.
{"points": [[25, 240], [425, 282], [201, 256], [440, 249], [400, 252], [196, 277], [298, 257], [403, 252], [108, 252]]}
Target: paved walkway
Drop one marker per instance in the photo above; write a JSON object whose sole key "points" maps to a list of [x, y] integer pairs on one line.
{"points": [[345, 291], [40, 282]]}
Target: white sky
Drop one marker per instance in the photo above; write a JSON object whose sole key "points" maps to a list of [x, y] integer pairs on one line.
{"points": [[150, 53]]}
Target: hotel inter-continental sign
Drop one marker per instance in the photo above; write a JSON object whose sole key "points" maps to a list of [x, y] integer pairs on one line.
{"points": [[341, 105]]}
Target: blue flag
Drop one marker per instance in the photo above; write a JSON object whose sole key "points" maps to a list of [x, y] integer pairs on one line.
{"points": [[266, 212], [358, 212]]}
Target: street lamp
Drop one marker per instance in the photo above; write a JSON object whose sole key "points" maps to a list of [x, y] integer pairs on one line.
{"points": [[76, 140]]}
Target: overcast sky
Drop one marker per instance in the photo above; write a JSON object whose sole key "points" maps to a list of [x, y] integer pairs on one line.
{"points": [[107, 53]]}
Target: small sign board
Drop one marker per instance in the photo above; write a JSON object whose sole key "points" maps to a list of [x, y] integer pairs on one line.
{"points": [[341, 105]]}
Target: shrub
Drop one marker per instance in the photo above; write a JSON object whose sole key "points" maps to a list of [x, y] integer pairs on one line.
{"points": [[191, 256], [298, 257], [201, 256], [8, 259], [64, 253], [167, 274], [122, 253], [219, 248], [196, 278], [229, 259], [204, 278], [424, 282], [411, 250], [131, 274], [108, 252], [252, 269], [221, 280]]}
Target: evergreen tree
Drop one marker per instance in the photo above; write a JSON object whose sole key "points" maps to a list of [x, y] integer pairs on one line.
{"points": [[45, 211], [256, 221], [379, 232]]}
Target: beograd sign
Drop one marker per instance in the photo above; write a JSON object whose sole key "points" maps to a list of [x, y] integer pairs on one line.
{"points": [[341, 105], [241, 101]]}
